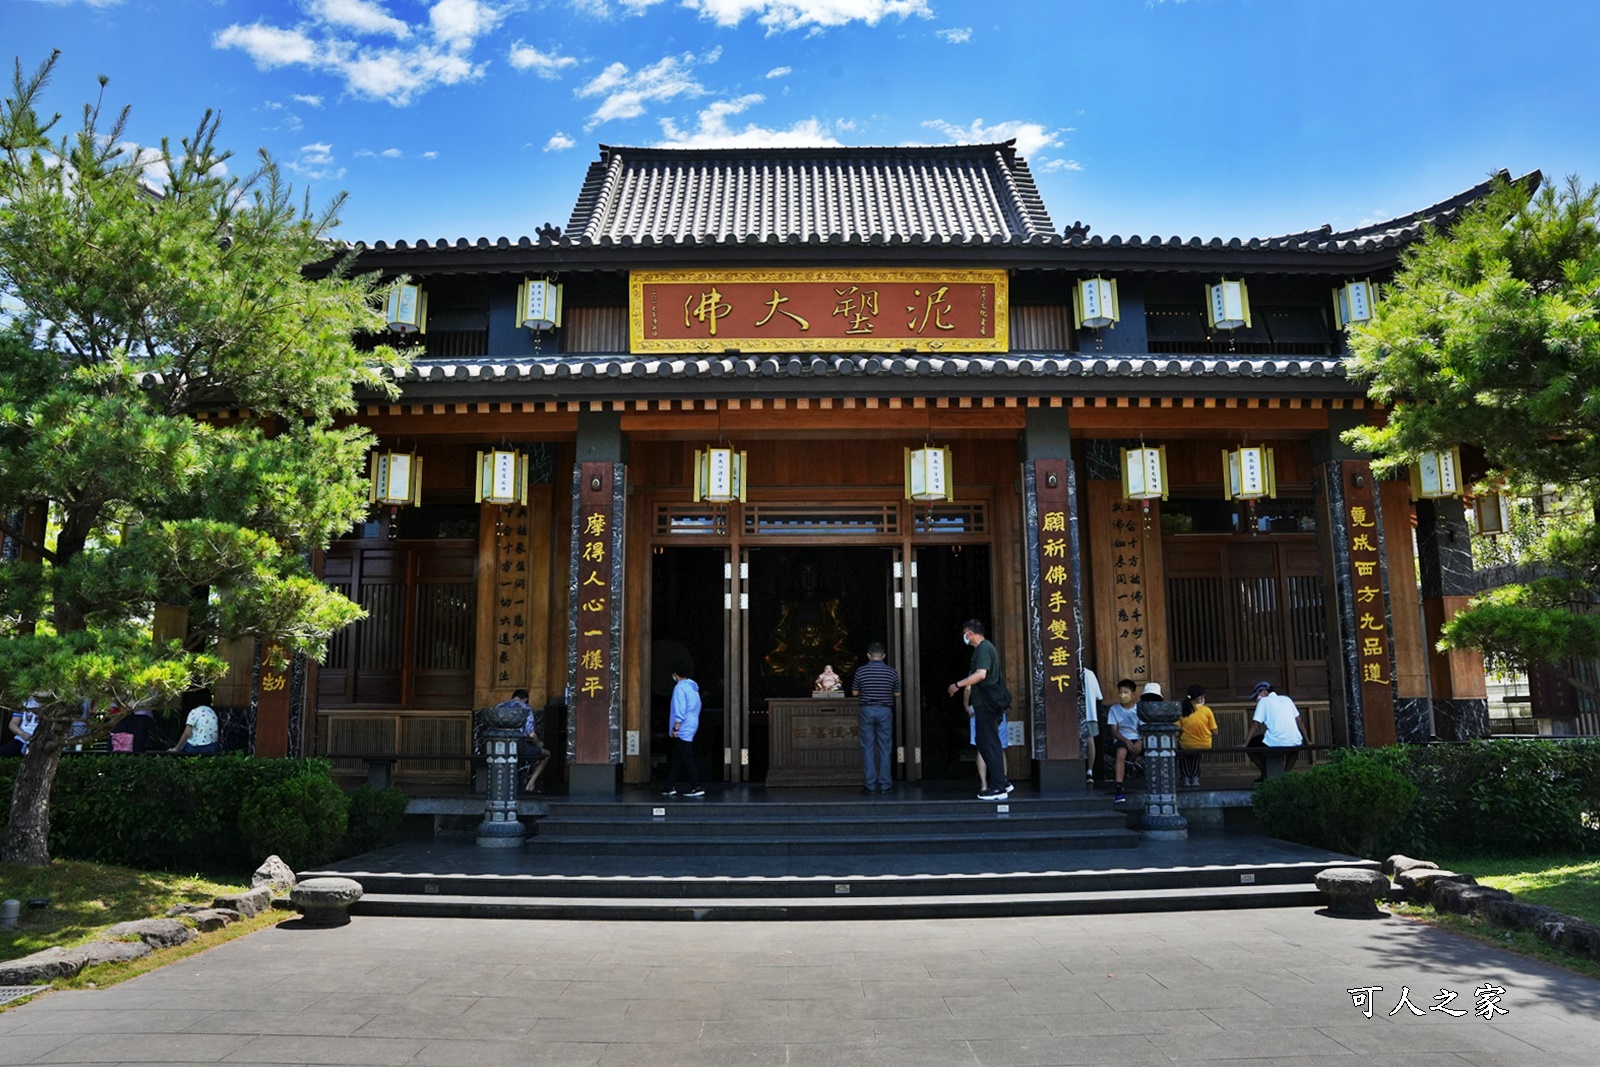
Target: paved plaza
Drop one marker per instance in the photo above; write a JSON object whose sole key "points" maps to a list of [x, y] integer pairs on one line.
{"points": [[1263, 987]]}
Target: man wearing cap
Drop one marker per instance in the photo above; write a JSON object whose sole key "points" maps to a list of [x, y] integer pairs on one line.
{"points": [[1275, 724]]}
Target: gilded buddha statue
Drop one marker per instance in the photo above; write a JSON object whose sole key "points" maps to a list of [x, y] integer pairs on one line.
{"points": [[810, 634]]}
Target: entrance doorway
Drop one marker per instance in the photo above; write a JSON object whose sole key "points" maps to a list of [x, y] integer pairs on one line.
{"points": [[953, 585], [809, 608], [688, 630]]}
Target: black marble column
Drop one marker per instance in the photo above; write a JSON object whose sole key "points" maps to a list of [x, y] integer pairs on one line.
{"points": [[501, 828], [1444, 565]]}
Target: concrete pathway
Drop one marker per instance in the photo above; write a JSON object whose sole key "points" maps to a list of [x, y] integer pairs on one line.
{"points": [[1261, 987]]}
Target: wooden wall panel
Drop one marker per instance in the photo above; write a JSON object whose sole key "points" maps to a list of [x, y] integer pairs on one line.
{"points": [[1117, 656]]}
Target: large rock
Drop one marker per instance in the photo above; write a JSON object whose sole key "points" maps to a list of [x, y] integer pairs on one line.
{"points": [[1418, 882], [274, 874], [186, 909], [1463, 898], [1397, 865], [157, 933], [1515, 916], [212, 919], [1352, 891], [55, 963], [325, 901], [249, 904]]}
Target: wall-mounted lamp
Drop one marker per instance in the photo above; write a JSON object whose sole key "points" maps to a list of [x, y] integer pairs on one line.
{"points": [[1248, 473], [1436, 474], [502, 477], [1227, 305], [928, 475], [719, 475], [406, 309], [1094, 303], [395, 478], [1144, 473]]}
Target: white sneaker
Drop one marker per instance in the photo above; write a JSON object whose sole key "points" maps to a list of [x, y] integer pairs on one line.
{"points": [[695, 793]]}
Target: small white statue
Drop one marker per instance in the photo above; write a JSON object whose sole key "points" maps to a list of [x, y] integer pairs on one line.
{"points": [[827, 681]]}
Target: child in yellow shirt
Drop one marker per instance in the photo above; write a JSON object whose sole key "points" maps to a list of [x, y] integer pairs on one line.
{"points": [[1196, 728]]}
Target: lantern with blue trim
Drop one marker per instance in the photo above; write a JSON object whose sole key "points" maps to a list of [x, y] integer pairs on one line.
{"points": [[406, 309]]}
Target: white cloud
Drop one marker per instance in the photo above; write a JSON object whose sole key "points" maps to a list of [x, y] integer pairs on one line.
{"points": [[845, 125], [601, 10], [438, 51], [1058, 164], [288, 119], [268, 46], [316, 161], [558, 142], [460, 22], [91, 3], [626, 93], [309, 101], [779, 16], [430, 154], [387, 153], [712, 130], [363, 16], [955, 36], [544, 64], [780, 72], [1031, 137]]}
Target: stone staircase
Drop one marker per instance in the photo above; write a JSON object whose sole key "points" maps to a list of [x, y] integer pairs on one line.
{"points": [[742, 855]]}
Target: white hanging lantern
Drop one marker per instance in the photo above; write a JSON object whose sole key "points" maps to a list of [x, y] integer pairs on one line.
{"points": [[538, 305], [1144, 473], [396, 479], [1227, 305], [1094, 303], [406, 309], [502, 477], [1436, 474], [718, 475], [928, 475], [1353, 303], [1493, 511], [1248, 473]]}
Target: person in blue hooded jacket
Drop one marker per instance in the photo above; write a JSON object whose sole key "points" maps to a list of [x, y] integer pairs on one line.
{"points": [[685, 722]]}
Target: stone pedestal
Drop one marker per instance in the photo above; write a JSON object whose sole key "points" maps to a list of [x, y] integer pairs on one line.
{"points": [[1158, 724], [325, 901], [500, 827]]}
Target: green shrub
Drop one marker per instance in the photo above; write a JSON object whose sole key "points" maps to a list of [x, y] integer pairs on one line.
{"points": [[300, 820], [156, 812], [1347, 805], [377, 818], [1503, 796]]}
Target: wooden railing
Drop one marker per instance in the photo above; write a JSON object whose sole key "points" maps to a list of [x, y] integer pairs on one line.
{"points": [[415, 736]]}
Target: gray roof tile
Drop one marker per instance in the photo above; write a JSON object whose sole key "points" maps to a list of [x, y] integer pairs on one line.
{"points": [[955, 193]]}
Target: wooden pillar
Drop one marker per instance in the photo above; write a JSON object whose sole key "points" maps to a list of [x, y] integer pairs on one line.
{"points": [[1054, 617], [595, 618]]}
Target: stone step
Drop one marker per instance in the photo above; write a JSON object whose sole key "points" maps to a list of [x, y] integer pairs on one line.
{"points": [[838, 907], [669, 842], [723, 824]]}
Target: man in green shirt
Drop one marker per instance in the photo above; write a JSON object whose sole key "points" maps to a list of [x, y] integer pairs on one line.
{"points": [[987, 685]]}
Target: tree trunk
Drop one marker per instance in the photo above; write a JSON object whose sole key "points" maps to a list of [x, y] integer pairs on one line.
{"points": [[27, 839]]}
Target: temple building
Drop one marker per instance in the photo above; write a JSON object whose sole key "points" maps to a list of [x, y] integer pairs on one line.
{"points": [[752, 409]]}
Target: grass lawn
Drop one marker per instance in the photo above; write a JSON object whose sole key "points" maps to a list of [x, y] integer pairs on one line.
{"points": [[85, 898], [1569, 884]]}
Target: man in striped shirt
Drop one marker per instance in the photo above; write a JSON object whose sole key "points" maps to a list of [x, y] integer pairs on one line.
{"points": [[876, 685]]}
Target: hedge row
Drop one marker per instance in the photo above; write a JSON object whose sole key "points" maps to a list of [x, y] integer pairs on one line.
{"points": [[1489, 797], [184, 813]]}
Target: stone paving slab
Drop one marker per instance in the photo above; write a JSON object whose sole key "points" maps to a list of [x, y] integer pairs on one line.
{"points": [[1245, 988]]}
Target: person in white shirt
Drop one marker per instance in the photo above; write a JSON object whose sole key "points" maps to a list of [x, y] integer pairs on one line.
{"points": [[1275, 724], [1089, 727]]}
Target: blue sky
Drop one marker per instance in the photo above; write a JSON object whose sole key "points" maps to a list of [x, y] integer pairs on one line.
{"points": [[469, 118]]}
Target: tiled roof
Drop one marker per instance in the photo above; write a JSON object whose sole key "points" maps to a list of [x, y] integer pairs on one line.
{"points": [[1407, 228], [563, 369], [963, 193]]}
